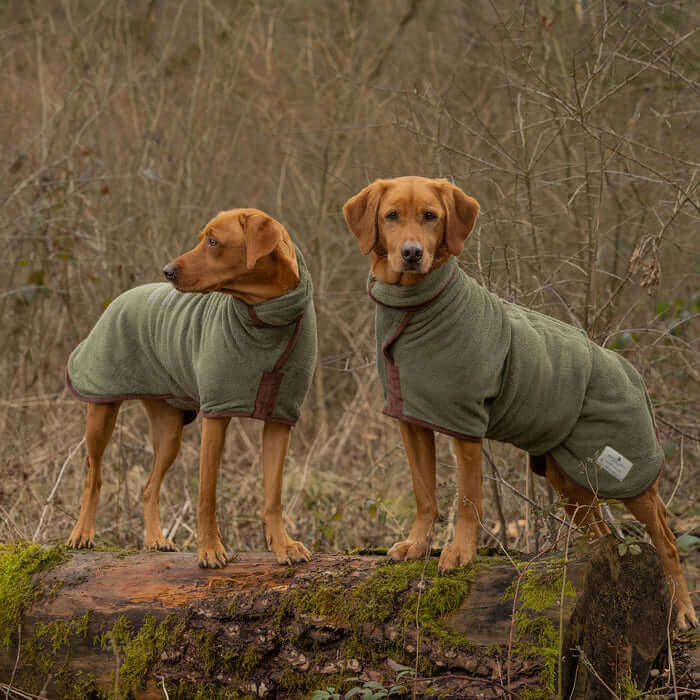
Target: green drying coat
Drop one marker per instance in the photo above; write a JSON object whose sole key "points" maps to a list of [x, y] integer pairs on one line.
{"points": [[455, 358], [209, 352]]}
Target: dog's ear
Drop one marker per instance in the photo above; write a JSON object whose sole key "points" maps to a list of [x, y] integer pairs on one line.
{"points": [[461, 212], [262, 234], [360, 213]]}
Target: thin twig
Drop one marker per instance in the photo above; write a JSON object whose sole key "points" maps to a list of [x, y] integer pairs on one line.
{"points": [[55, 486], [590, 667], [671, 665], [680, 474], [14, 669], [561, 603]]}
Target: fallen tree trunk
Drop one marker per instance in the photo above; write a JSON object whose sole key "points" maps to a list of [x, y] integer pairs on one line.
{"points": [[142, 624]]}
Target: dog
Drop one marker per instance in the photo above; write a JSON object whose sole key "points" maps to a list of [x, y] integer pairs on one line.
{"points": [[456, 359], [231, 333]]}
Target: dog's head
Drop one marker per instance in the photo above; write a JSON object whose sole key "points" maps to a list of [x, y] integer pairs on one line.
{"points": [[410, 224], [238, 250]]}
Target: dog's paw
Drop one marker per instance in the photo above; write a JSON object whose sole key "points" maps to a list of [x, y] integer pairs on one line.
{"points": [[292, 552], [686, 618], [213, 557], [81, 539], [162, 544], [455, 555], [408, 549]]}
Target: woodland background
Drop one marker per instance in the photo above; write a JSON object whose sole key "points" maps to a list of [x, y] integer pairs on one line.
{"points": [[125, 126]]}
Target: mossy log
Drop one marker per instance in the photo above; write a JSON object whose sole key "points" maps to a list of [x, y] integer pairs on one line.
{"points": [[110, 624]]}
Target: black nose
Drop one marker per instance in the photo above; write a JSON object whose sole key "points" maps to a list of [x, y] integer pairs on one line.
{"points": [[170, 272], [411, 253]]}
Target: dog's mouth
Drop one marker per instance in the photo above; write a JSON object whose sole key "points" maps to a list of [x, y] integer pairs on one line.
{"points": [[421, 266], [191, 288]]}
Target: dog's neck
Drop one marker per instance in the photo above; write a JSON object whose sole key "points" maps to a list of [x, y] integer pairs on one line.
{"points": [[273, 276], [382, 271]]}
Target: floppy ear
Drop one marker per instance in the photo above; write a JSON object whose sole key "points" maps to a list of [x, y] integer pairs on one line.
{"points": [[262, 234], [360, 213], [461, 212]]}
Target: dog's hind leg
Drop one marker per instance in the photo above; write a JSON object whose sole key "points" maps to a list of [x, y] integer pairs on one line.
{"points": [[166, 436], [582, 505], [650, 510], [101, 418]]}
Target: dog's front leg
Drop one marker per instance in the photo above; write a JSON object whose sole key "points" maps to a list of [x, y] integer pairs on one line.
{"points": [[274, 453], [419, 444], [470, 507], [210, 550], [275, 443]]}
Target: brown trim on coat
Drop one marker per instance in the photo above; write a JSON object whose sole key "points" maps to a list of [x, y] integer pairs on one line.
{"points": [[432, 426], [123, 397], [257, 320], [270, 383], [394, 404], [267, 394], [290, 345], [393, 380]]}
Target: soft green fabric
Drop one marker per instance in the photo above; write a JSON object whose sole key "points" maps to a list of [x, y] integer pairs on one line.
{"points": [[200, 351], [473, 365]]}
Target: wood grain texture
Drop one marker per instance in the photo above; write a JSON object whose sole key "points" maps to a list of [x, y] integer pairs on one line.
{"points": [[263, 629]]}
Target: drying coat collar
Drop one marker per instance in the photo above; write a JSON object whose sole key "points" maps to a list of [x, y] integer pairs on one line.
{"points": [[283, 310], [415, 296]]}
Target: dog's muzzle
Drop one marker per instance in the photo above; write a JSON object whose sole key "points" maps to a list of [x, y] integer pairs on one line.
{"points": [[411, 254], [170, 272]]}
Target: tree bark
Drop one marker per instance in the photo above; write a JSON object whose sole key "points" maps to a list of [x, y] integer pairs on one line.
{"points": [[131, 624]]}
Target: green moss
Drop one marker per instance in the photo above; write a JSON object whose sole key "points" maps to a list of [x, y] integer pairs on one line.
{"points": [[47, 653], [627, 689], [76, 685], [536, 637], [301, 685], [390, 593], [59, 632], [140, 650], [119, 552], [540, 588], [233, 605], [204, 691], [443, 596], [18, 563], [206, 648], [250, 660]]}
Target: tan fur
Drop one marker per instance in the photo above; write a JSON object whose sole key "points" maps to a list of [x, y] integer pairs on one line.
{"points": [[382, 238], [254, 260]]}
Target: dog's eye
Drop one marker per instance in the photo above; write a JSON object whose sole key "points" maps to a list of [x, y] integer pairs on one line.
{"points": [[429, 215], [212, 242], [393, 214]]}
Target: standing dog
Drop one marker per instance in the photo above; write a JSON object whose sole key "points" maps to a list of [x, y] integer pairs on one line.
{"points": [[233, 333], [456, 359]]}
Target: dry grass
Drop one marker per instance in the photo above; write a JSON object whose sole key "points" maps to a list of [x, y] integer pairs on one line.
{"points": [[126, 125]]}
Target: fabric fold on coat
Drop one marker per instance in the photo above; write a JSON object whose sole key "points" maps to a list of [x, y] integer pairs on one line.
{"points": [[456, 358], [209, 352]]}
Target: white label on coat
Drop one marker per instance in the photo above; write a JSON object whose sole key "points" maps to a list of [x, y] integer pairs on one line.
{"points": [[614, 463]]}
